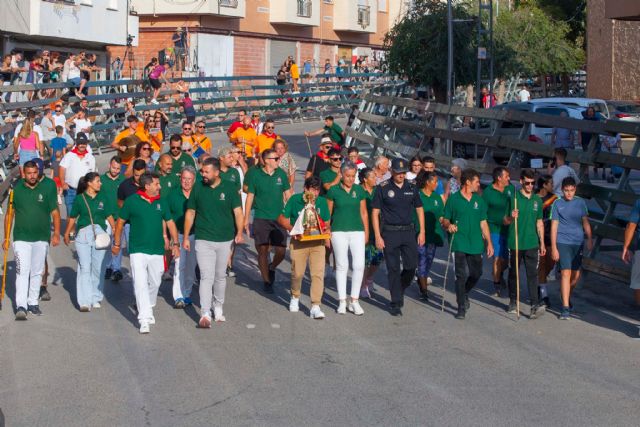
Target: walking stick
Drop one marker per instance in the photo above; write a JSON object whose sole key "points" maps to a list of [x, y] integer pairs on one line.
{"points": [[7, 238], [446, 270], [515, 199]]}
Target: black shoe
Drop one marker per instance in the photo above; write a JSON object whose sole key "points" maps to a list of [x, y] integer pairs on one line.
{"points": [[546, 302], [268, 288], [107, 274], [424, 296], [395, 311], [34, 309], [537, 311], [272, 275], [44, 294], [21, 313], [512, 307], [461, 314], [467, 304], [116, 276]]}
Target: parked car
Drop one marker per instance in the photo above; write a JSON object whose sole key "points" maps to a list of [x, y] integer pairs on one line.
{"points": [[599, 105], [627, 111]]}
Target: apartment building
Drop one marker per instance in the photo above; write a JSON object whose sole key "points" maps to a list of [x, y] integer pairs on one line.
{"points": [[254, 37]]}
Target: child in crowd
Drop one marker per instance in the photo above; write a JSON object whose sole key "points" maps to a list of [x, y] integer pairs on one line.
{"points": [[58, 150]]}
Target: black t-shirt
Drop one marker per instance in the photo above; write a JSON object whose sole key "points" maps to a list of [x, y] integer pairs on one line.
{"points": [[397, 204], [317, 165], [127, 188]]}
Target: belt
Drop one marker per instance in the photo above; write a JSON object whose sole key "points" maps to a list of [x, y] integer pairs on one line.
{"points": [[387, 227]]}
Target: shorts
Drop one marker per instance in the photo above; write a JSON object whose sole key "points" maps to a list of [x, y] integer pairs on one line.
{"points": [[27, 155], [635, 271], [76, 81], [499, 242], [373, 256], [426, 254], [155, 83], [570, 257], [268, 232]]}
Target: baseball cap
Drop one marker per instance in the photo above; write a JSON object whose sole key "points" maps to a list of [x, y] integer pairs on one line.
{"points": [[326, 140], [81, 138], [461, 163], [399, 166]]}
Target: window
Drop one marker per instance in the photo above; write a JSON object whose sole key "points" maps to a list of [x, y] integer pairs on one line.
{"points": [[364, 13], [112, 5], [382, 5], [228, 3], [304, 8], [328, 1]]}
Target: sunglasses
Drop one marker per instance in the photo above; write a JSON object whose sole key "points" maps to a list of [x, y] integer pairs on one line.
{"points": [[188, 150], [273, 158], [270, 127], [146, 148], [58, 111], [256, 117], [200, 127], [175, 148], [528, 183], [186, 128], [335, 159]]}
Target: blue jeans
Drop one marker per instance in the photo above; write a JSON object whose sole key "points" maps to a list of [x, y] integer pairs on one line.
{"points": [[114, 262], [69, 197], [426, 254], [90, 276]]}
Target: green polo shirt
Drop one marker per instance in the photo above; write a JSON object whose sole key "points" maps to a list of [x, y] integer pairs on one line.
{"points": [[110, 190], [268, 190], [168, 183], [215, 220], [146, 234], [232, 176], [183, 160], [101, 209], [346, 208], [433, 206], [177, 203], [32, 210], [295, 205], [497, 203], [327, 176], [467, 215], [529, 212], [335, 133]]}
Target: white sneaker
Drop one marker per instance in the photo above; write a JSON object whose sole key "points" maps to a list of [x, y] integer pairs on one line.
{"points": [[316, 313], [96, 305], [342, 308], [217, 314], [205, 321], [144, 327], [152, 320], [429, 281], [154, 101], [294, 305], [355, 308]]}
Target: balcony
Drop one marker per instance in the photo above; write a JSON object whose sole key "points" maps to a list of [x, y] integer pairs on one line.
{"points": [[227, 8], [359, 16], [295, 12]]}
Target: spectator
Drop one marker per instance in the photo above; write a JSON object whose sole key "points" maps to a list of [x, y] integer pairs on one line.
{"points": [[187, 108], [524, 95], [306, 69], [560, 170], [238, 123], [353, 155], [281, 78], [47, 127], [295, 75], [143, 152], [453, 185], [31, 114], [75, 164], [27, 145], [180, 41], [245, 138], [319, 162], [381, 169], [561, 137], [265, 139], [81, 123], [487, 99], [161, 117], [334, 130], [256, 123], [154, 79], [116, 68], [131, 130], [415, 166], [200, 141], [286, 162], [58, 150]]}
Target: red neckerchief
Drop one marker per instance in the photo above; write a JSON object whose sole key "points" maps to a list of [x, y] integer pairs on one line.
{"points": [[146, 197], [272, 136], [322, 155], [77, 153]]}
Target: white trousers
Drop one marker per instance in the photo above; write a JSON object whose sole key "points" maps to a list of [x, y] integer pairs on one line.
{"points": [[184, 274], [30, 258], [147, 276], [212, 259], [343, 242]]}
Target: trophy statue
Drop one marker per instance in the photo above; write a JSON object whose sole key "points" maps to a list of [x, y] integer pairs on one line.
{"points": [[309, 225]]}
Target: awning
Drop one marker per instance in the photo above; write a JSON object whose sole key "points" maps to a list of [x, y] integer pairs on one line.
{"points": [[623, 10]]}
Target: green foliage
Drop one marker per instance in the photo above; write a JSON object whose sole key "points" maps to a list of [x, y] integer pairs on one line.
{"points": [[540, 42]]}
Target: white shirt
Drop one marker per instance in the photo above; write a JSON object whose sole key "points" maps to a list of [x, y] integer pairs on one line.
{"points": [[81, 124], [45, 124], [74, 71], [524, 95], [561, 173], [36, 128], [76, 168], [60, 120]]}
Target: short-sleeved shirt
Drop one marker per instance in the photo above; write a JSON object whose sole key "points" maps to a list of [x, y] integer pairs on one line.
{"points": [[110, 190], [146, 234], [335, 133], [168, 183], [232, 176], [467, 215], [264, 142], [249, 137], [58, 144], [317, 165], [32, 210], [215, 220], [327, 176], [157, 71], [101, 209], [296, 204], [127, 188], [177, 203], [268, 190], [569, 215], [497, 203], [433, 206], [396, 204], [251, 172], [182, 161], [530, 210], [346, 208], [368, 197]]}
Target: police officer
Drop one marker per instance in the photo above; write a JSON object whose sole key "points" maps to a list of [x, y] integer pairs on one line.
{"points": [[393, 203]]}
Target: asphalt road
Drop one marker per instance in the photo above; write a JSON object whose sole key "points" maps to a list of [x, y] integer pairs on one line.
{"points": [[266, 366]]}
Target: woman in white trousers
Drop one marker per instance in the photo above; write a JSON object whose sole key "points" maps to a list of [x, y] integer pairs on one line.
{"points": [[349, 233]]}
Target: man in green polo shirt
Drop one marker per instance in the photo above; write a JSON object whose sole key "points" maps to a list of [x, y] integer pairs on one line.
{"points": [[227, 171], [169, 181], [336, 133], [497, 196], [179, 159], [215, 206], [312, 251], [184, 273], [267, 191], [147, 215], [111, 180], [526, 208], [35, 204], [465, 216], [331, 176]]}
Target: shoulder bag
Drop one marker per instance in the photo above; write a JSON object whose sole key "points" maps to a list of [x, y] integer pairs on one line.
{"points": [[102, 240]]}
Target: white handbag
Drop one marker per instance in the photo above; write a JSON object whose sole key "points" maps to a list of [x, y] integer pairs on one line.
{"points": [[102, 240]]}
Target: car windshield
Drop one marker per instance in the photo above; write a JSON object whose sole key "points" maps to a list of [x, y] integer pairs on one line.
{"points": [[599, 107], [629, 108], [551, 111]]}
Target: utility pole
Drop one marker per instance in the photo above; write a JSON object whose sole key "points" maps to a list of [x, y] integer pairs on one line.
{"points": [[450, 53]]}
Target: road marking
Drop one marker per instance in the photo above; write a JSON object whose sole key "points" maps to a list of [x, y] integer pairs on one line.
{"points": [[275, 326], [251, 326]]}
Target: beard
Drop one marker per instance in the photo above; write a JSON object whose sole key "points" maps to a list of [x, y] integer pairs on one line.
{"points": [[207, 181]]}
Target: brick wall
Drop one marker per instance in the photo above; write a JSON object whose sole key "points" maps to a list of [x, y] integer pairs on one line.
{"points": [[307, 50], [148, 46], [249, 56], [328, 51]]}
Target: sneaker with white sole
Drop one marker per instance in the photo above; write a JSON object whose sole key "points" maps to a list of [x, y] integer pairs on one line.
{"points": [[316, 313], [205, 321], [144, 327], [342, 307], [364, 292], [152, 320], [354, 307], [96, 305], [154, 101], [217, 314], [294, 305]]}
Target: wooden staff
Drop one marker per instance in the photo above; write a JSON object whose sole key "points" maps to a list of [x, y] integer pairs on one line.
{"points": [[7, 238], [446, 270], [515, 199]]}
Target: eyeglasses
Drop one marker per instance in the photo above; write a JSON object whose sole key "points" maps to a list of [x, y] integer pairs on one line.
{"points": [[146, 114], [336, 159], [528, 183], [273, 158], [58, 111], [255, 116], [270, 127], [200, 127], [186, 128]]}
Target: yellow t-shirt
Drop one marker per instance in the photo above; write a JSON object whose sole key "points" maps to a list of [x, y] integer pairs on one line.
{"points": [[244, 139], [295, 71], [203, 141], [264, 142]]}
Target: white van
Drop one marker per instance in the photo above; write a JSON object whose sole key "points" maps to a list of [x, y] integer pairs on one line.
{"points": [[599, 105]]}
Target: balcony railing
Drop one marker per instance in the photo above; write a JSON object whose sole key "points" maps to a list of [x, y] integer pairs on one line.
{"points": [[228, 3], [304, 8], [364, 16]]}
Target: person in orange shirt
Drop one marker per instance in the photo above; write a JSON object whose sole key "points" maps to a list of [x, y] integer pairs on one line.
{"points": [[245, 138], [201, 142], [132, 122], [149, 132], [266, 138], [295, 75]]}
